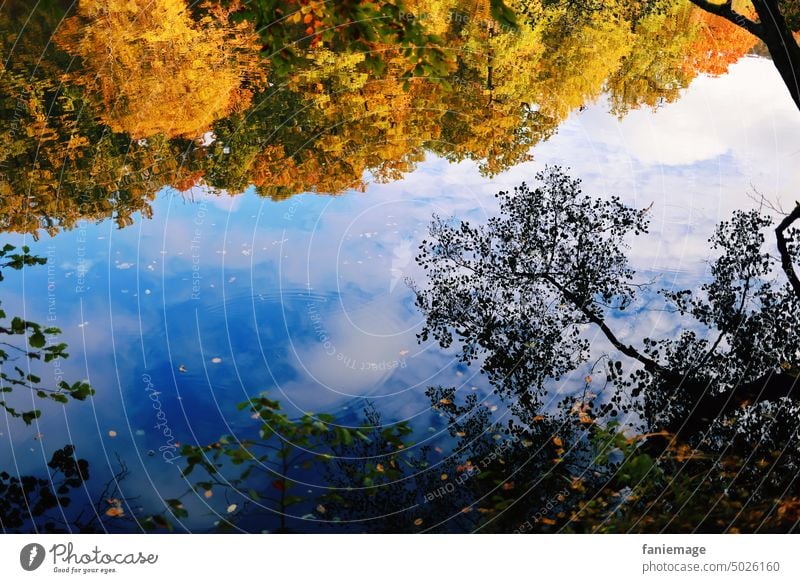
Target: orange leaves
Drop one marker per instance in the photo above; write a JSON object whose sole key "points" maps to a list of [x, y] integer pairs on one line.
{"points": [[718, 44], [115, 509], [547, 521]]}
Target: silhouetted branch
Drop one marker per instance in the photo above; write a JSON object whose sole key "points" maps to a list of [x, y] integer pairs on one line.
{"points": [[727, 12], [783, 249]]}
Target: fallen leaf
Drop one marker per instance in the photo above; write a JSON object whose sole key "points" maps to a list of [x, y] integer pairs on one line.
{"points": [[418, 522], [557, 441]]}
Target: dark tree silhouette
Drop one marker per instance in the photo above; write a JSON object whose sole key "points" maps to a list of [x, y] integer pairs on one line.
{"points": [[521, 294], [776, 19]]}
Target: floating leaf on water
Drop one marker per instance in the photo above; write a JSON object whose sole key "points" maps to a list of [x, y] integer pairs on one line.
{"points": [[216, 360], [418, 522], [208, 493], [182, 368], [232, 508], [403, 352], [321, 509], [115, 512], [557, 441], [437, 449], [444, 477], [379, 467]]}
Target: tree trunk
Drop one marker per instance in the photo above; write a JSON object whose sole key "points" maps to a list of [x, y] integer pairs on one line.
{"points": [[781, 45]]}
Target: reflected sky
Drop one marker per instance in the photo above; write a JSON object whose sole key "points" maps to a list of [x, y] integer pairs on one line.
{"points": [[216, 298]]}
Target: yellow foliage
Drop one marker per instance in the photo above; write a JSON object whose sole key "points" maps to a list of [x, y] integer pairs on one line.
{"points": [[155, 69]]}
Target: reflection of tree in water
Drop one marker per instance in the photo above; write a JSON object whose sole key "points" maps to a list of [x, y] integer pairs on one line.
{"points": [[60, 500], [100, 121], [712, 440], [694, 432]]}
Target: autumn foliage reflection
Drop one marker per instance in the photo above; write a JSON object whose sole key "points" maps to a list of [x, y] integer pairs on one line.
{"points": [[132, 98]]}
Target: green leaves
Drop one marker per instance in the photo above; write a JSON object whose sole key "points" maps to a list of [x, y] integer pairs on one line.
{"points": [[29, 416], [36, 349]]}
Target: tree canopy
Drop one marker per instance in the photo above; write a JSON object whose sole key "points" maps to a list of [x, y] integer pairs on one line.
{"points": [[118, 107]]}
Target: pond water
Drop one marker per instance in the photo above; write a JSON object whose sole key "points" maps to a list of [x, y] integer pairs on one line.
{"points": [[212, 298]]}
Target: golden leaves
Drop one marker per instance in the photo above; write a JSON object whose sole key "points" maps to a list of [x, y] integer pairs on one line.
{"points": [[148, 64]]}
